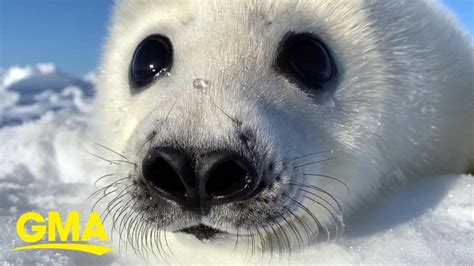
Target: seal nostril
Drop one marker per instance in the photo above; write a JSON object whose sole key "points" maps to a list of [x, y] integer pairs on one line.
{"points": [[162, 175], [227, 179]]}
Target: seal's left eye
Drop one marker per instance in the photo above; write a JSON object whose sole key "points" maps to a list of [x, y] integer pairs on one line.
{"points": [[152, 58], [305, 60]]}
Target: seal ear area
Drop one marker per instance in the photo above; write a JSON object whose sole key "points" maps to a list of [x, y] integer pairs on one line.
{"points": [[152, 59], [305, 60]]}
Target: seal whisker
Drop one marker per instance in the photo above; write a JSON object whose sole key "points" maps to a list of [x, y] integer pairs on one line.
{"points": [[133, 233], [234, 249], [336, 218], [148, 139], [262, 242], [159, 247], [115, 162], [111, 150], [319, 190], [303, 223], [129, 232], [233, 119], [118, 214], [284, 236], [103, 159], [101, 198], [114, 220], [247, 244], [329, 211], [137, 233], [290, 159], [164, 246], [102, 177], [123, 161], [315, 162], [252, 237], [152, 135], [302, 187], [275, 233], [143, 236], [171, 109], [291, 225], [146, 238], [310, 213], [113, 201], [125, 220], [167, 244], [103, 189], [266, 233], [120, 207], [332, 178]]}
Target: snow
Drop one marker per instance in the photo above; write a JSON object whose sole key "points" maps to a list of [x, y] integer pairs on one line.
{"points": [[45, 166], [16, 74], [91, 77], [46, 68]]}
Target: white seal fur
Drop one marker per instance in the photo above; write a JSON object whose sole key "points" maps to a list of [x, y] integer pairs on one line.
{"points": [[403, 106]]}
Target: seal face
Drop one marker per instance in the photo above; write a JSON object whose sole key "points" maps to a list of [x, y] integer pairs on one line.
{"points": [[275, 120]]}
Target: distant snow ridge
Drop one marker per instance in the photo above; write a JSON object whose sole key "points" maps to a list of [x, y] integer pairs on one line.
{"points": [[29, 92], [18, 73]]}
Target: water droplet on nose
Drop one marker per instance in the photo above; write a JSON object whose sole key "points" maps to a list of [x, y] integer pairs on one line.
{"points": [[200, 84]]}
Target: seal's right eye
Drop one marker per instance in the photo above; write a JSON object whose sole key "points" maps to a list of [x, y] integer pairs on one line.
{"points": [[151, 59]]}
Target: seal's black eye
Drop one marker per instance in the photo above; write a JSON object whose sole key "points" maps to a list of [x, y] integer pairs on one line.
{"points": [[152, 58], [304, 59]]}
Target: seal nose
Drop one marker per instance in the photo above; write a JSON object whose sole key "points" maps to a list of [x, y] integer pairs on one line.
{"points": [[227, 177], [216, 178]]}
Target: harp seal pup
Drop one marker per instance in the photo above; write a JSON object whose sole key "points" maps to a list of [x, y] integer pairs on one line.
{"points": [[259, 126]]}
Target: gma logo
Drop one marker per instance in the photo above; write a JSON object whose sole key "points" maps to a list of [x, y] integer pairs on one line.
{"points": [[58, 232]]}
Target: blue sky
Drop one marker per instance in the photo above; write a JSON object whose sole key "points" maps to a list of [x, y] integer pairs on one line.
{"points": [[70, 33]]}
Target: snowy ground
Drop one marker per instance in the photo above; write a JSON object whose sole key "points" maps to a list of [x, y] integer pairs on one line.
{"points": [[44, 165]]}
